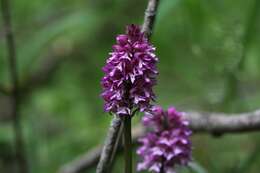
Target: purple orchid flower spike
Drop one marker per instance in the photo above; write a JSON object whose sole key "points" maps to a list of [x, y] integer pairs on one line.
{"points": [[167, 144], [130, 74]]}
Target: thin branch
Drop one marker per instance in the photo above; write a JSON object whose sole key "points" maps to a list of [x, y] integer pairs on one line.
{"points": [[110, 145], [149, 17], [106, 158], [6, 109], [10, 42], [117, 146], [219, 123], [83, 162]]}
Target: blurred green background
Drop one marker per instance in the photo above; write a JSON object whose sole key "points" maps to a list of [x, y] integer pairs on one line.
{"points": [[209, 52]]}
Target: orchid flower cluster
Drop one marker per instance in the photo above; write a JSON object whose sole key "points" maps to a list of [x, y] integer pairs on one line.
{"points": [[130, 75], [167, 144]]}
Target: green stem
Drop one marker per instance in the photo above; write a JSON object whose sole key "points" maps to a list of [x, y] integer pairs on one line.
{"points": [[162, 170], [128, 144], [162, 167]]}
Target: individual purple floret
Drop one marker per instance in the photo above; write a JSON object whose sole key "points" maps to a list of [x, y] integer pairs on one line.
{"points": [[130, 73], [167, 144]]}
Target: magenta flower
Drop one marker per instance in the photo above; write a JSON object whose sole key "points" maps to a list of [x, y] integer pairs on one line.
{"points": [[130, 74], [167, 144]]}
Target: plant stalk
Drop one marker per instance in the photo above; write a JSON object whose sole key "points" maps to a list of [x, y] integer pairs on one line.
{"points": [[162, 169], [127, 144], [19, 142]]}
